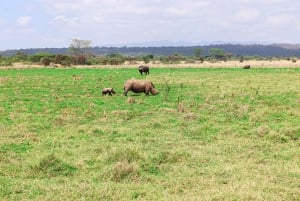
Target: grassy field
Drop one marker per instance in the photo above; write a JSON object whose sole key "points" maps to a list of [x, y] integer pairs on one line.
{"points": [[211, 134]]}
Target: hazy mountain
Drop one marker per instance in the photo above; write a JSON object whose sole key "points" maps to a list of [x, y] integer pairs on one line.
{"points": [[288, 46], [161, 43], [180, 47]]}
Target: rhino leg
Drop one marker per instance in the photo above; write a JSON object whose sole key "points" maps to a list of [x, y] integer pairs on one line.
{"points": [[147, 90]]}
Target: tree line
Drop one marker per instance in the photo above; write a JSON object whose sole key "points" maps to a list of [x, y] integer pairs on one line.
{"points": [[80, 52]]}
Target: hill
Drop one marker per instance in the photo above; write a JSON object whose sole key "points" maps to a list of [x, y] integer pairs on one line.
{"points": [[274, 50]]}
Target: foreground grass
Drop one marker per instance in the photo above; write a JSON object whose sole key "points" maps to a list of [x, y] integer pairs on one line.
{"points": [[211, 134]]}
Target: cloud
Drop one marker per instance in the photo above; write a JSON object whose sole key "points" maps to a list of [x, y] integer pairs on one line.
{"points": [[24, 20], [247, 14], [61, 19], [260, 1], [297, 26], [279, 19], [120, 21], [176, 11]]}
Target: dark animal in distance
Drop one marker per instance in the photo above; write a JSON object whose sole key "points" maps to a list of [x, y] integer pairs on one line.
{"points": [[246, 67], [144, 69], [108, 91], [139, 86]]}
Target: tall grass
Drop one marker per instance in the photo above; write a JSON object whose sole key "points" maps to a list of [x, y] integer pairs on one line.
{"points": [[211, 134]]}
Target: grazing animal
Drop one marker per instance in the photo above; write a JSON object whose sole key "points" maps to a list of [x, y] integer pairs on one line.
{"points": [[139, 86], [108, 91], [246, 67], [144, 69]]}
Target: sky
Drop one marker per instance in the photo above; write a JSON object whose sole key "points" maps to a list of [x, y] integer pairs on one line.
{"points": [[54, 23]]}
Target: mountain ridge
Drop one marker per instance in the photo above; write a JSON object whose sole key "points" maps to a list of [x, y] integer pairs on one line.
{"points": [[281, 49]]}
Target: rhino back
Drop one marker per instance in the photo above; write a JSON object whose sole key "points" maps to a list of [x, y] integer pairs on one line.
{"points": [[137, 85]]}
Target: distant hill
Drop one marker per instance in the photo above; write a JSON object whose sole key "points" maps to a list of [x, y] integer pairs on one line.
{"points": [[274, 50]]}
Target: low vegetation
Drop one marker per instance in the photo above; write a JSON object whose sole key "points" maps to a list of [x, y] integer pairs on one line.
{"points": [[81, 53], [211, 134]]}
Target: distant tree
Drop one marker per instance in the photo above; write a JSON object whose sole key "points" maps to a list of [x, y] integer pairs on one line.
{"points": [[79, 59], [198, 54], [37, 57], [148, 58], [241, 59], [131, 59], [115, 59], [20, 56], [217, 53], [80, 51], [80, 47], [61, 59]]}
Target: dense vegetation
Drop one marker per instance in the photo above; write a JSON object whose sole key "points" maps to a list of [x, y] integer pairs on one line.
{"points": [[211, 134], [67, 60]]}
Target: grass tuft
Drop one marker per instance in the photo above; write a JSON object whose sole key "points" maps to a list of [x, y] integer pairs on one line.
{"points": [[128, 155], [51, 166], [124, 170]]}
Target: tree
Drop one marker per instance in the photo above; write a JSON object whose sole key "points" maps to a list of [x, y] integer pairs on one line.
{"points": [[198, 53], [80, 47], [147, 58], [80, 51], [217, 53], [20, 56]]}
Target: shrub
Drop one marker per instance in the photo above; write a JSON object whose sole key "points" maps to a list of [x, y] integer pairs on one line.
{"points": [[36, 58], [46, 61], [61, 59]]}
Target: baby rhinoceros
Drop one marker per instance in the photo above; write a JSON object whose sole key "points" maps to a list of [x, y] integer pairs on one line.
{"points": [[108, 91], [139, 86]]}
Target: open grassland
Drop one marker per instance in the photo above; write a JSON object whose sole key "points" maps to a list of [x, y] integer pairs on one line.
{"points": [[211, 134]]}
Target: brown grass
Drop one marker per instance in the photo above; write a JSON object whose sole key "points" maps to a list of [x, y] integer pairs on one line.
{"points": [[198, 64]]}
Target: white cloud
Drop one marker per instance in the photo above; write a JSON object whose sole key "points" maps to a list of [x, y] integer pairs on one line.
{"points": [[65, 21], [24, 20], [279, 19], [247, 14], [176, 11], [125, 21], [260, 1]]}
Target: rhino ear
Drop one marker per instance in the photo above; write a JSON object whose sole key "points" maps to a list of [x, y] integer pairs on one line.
{"points": [[152, 85]]}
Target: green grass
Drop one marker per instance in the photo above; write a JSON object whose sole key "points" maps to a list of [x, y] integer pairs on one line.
{"points": [[211, 134]]}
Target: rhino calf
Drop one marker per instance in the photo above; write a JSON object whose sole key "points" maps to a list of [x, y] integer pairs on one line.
{"points": [[108, 91], [139, 86], [144, 69]]}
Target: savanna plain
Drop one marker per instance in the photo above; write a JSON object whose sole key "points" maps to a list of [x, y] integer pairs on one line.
{"points": [[210, 134]]}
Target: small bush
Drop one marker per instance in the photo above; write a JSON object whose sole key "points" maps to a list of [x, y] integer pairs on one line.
{"points": [[45, 61], [6, 62]]}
